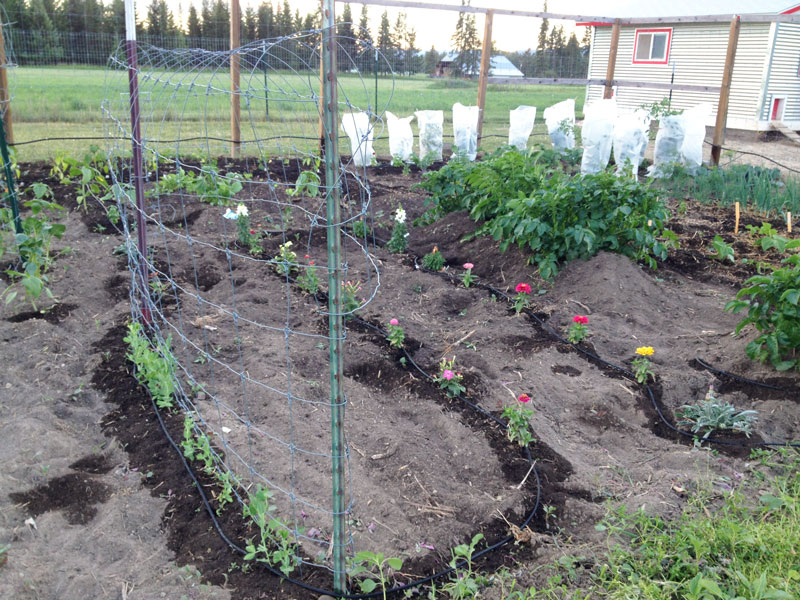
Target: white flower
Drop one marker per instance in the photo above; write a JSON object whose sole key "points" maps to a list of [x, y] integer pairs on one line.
{"points": [[229, 214], [241, 211], [400, 215]]}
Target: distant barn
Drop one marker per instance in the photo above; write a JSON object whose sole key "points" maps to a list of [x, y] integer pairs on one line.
{"points": [[500, 66], [766, 74]]}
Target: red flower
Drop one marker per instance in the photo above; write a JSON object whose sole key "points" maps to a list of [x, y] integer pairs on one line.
{"points": [[307, 256], [524, 398], [523, 288], [252, 232], [580, 319]]}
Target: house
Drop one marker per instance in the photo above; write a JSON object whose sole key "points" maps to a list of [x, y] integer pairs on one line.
{"points": [[766, 76], [499, 66]]}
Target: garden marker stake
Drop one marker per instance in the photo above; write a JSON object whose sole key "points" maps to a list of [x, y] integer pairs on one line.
{"points": [[136, 140], [736, 221], [789, 222], [330, 119]]}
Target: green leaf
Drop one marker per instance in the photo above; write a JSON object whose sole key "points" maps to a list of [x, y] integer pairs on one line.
{"points": [[770, 501], [367, 585], [394, 563]]}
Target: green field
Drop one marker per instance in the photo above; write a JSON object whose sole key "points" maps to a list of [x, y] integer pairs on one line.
{"points": [[66, 102]]}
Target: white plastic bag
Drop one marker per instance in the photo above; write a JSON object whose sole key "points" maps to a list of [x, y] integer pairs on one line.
{"points": [[631, 136], [560, 122], [598, 134], [669, 141], [431, 130], [465, 130], [401, 138], [357, 128], [694, 124], [520, 126]]}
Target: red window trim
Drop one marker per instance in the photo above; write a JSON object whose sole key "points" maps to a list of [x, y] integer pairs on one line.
{"points": [[668, 31]]}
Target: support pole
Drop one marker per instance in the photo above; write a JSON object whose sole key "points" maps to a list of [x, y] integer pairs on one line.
{"points": [[236, 22], [608, 90], [725, 91], [137, 177], [335, 328], [5, 95], [486, 63], [9, 173]]}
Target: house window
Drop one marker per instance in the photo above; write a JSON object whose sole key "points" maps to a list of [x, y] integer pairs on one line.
{"points": [[651, 46]]}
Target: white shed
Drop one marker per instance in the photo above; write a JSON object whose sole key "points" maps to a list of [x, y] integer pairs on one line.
{"points": [[766, 74]]}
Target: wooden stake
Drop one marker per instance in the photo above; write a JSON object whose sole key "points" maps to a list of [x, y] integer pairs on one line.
{"points": [[789, 222], [725, 91], [486, 63], [608, 90], [736, 226], [236, 138], [5, 96]]}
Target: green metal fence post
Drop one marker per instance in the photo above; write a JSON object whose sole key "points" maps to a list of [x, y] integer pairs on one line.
{"points": [[335, 329], [9, 173]]}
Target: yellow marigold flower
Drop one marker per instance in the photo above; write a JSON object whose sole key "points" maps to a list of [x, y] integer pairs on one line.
{"points": [[645, 351]]}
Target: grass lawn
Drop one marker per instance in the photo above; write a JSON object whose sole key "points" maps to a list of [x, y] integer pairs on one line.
{"points": [[66, 102]]}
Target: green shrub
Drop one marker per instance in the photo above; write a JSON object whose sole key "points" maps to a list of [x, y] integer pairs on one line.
{"points": [[772, 307]]}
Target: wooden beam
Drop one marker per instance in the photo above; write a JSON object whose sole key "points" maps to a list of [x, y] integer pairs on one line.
{"points": [[486, 63], [754, 18], [5, 95], [608, 90], [236, 137], [725, 92], [654, 85]]}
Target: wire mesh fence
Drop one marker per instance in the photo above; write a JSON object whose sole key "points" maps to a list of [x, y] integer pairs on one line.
{"points": [[237, 271]]}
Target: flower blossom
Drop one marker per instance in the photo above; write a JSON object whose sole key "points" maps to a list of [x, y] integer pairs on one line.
{"points": [[400, 215], [524, 398], [447, 374], [394, 322], [468, 266], [523, 288], [580, 319], [645, 351], [241, 211]]}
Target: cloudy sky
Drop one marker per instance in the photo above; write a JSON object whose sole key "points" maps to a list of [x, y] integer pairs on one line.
{"points": [[434, 27]]}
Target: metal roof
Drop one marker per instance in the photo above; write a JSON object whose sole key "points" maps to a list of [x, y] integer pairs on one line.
{"points": [[691, 8]]}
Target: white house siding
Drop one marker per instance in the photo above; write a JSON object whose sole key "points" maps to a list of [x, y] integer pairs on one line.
{"points": [[698, 51], [783, 77]]}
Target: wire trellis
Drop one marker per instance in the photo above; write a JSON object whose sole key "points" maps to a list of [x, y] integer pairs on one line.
{"points": [[236, 268]]}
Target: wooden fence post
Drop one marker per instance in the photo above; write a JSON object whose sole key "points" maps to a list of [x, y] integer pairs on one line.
{"points": [[5, 95], [725, 91], [486, 63], [235, 89], [608, 90]]}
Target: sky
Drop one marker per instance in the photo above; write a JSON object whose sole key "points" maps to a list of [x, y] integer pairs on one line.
{"points": [[434, 27]]}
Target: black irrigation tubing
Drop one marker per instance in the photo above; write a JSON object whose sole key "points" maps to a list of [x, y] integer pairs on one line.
{"points": [[628, 374], [772, 160], [713, 369], [375, 594]]}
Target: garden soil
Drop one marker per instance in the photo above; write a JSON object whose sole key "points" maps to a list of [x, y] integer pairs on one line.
{"points": [[96, 502]]}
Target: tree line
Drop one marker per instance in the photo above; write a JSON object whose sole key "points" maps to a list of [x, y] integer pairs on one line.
{"points": [[86, 32]]}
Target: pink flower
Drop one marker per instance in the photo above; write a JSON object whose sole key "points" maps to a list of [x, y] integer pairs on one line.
{"points": [[523, 288], [580, 319], [524, 398], [447, 374], [468, 266], [394, 322]]}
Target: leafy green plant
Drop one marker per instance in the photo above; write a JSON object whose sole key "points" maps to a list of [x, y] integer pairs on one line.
{"points": [[376, 569], [712, 414], [307, 184], [399, 240], [521, 300], [32, 246], [396, 336], [274, 545], [308, 280], [722, 250], [518, 428], [641, 364], [350, 291], [154, 366], [772, 307], [448, 379], [285, 262], [467, 277], [434, 260], [360, 229], [464, 584], [87, 174]]}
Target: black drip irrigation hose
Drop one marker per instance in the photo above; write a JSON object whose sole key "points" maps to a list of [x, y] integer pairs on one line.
{"points": [[713, 369], [479, 554]]}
